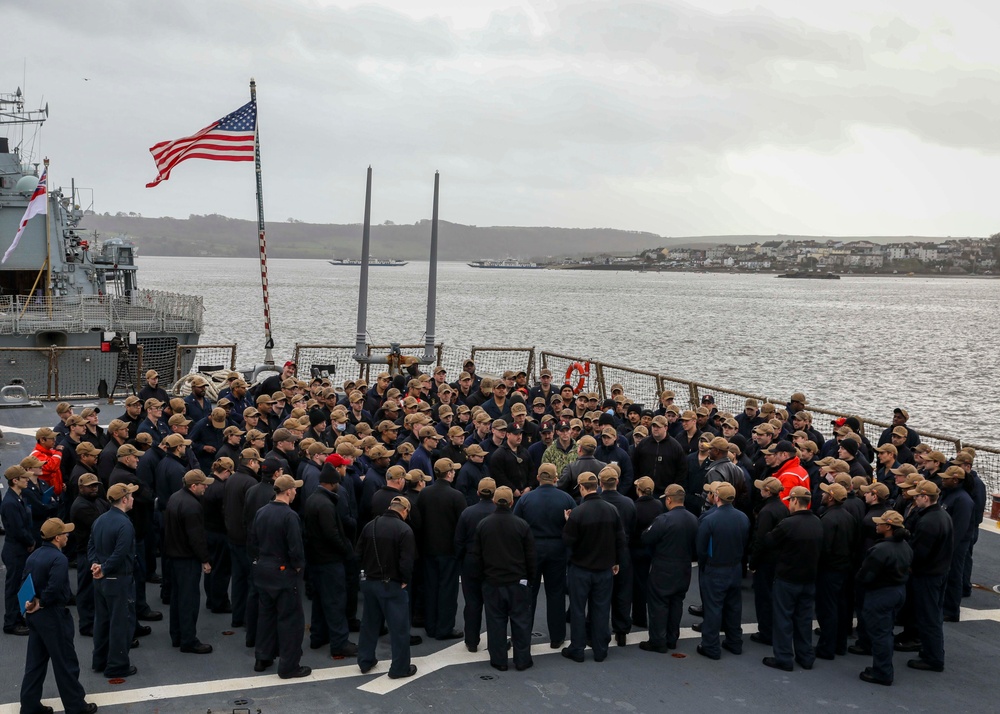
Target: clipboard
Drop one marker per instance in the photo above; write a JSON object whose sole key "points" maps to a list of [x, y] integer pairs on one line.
{"points": [[26, 593], [47, 495]]}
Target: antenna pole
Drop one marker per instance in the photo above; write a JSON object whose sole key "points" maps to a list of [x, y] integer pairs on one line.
{"points": [[429, 356], [359, 343]]}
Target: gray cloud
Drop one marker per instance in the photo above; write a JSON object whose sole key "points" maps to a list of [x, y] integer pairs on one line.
{"points": [[525, 125]]}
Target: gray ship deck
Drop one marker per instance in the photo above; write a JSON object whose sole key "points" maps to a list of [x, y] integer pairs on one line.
{"points": [[450, 679]]}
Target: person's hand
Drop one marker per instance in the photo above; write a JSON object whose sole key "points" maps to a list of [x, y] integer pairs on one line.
{"points": [[96, 571], [208, 449], [567, 512], [32, 606], [614, 569], [404, 586], [525, 490], [206, 568]]}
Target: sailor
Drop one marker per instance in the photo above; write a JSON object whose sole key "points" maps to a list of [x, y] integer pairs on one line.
{"points": [[795, 545], [387, 549], [883, 576], [834, 590], [503, 554], [511, 466], [50, 625], [596, 541], [17, 544], [723, 533], [977, 489], [932, 541], [761, 561], [186, 544], [152, 388], [610, 452], [544, 509], [439, 507], [958, 503], [86, 509], [141, 515], [621, 589], [585, 462], [169, 479], [327, 547], [647, 510], [133, 414], [153, 424], [86, 463], [899, 418], [213, 505], [275, 545], [660, 457], [111, 553], [117, 436], [197, 405], [563, 450], [232, 443], [208, 436], [234, 500], [68, 443], [672, 541], [472, 583]]}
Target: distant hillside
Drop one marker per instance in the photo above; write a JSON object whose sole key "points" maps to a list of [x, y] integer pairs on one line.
{"points": [[216, 235]]}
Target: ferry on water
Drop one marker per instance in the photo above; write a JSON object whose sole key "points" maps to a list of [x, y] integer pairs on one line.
{"points": [[372, 262], [506, 264]]}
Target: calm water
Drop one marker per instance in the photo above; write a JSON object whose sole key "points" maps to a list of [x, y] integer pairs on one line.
{"points": [[859, 344]]}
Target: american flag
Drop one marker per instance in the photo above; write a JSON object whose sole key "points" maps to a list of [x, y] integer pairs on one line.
{"points": [[229, 139]]}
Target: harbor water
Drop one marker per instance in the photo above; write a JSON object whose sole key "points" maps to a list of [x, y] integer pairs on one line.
{"points": [[860, 344]]}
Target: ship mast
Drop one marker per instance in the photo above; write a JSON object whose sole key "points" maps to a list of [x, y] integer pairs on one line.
{"points": [[268, 340]]}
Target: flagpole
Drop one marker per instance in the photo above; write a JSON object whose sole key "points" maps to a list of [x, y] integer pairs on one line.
{"points": [[48, 245], [268, 340]]}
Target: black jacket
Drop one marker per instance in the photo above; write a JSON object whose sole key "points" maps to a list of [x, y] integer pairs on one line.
{"points": [[382, 498], [840, 539], [571, 472], [141, 514], [932, 540], [234, 499], [594, 535], [773, 512], [82, 514], [662, 461], [184, 529], [796, 543], [439, 507], [465, 532], [213, 505], [503, 550], [512, 469], [387, 549], [257, 497], [326, 541], [887, 563]]}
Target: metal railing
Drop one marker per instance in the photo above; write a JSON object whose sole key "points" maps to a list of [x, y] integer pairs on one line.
{"points": [[55, 373], [145, 311], [195, 358]]}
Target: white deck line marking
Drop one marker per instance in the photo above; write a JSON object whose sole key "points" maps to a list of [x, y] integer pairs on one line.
{"points": [[454, 655]]}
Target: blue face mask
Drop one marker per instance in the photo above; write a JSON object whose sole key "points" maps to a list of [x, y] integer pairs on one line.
{"points": [[342, 427]]}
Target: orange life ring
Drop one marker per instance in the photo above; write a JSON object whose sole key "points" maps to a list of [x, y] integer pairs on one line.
{"points": [[582, 370]]}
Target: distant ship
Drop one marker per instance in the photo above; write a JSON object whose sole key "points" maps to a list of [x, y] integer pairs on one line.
{"points": [[506, 264], [372, 262], [810, 276]]}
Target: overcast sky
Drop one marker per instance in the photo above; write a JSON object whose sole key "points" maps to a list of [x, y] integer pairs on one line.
{"points": [[717, 117]]}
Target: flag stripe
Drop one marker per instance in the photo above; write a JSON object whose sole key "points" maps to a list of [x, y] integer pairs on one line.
{"points": [[232, 138]]}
